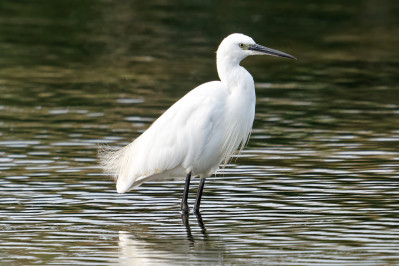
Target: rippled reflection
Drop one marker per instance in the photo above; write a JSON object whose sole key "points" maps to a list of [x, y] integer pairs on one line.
{"points": [[169, 245], [317, 183]]}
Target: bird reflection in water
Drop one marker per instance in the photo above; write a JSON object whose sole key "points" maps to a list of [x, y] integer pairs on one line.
{"points": [[186, 222], [170, 242]]}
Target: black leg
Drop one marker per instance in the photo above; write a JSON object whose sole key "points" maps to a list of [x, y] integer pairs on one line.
{"points": [[199, 195], [184, 204]]}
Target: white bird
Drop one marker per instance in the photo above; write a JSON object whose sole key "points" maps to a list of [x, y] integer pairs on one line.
{"points": [[197, 133]]}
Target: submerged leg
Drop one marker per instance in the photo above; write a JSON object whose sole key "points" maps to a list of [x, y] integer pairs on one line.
{"points": [[184, 204], [199, 195]]}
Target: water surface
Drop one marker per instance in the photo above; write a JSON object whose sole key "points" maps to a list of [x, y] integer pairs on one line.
{"points": [[317, 183]]}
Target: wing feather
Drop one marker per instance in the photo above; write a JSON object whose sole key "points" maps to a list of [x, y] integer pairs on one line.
{"points": [[175, 142]]}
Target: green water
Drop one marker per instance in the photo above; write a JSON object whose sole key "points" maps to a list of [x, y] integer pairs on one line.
{"points": [[317, 183]]}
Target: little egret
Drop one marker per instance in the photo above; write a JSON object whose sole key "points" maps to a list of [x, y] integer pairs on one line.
{"points": [[197, 133]]}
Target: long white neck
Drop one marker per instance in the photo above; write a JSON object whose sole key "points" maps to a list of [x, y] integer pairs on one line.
{"points": [[234, 76], [240, 107]]}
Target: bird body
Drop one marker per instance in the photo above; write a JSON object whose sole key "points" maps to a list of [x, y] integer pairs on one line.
{"points": [[193, 135], [200, 131]]}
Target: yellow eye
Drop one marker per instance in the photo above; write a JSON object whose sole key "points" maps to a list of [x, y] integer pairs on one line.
{"points": [[241, 45]]}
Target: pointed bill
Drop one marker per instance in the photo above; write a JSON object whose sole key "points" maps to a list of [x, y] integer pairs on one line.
{"points": [[269, 51]]}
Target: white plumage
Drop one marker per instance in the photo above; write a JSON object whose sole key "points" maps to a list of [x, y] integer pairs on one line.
{"points": [[200, 131]]}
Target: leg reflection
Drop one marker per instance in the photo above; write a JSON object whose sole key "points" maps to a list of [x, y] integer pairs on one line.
{"points": [[201, 224], [185, 219], [186, 222]]}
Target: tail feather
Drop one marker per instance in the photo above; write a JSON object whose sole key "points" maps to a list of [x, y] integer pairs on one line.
{"points": [[110, 160], [118, 163]]}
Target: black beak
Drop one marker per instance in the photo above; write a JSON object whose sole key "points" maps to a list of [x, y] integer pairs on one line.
{"points": [[269, 51]]}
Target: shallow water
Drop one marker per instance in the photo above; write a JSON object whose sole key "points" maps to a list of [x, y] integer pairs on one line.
{"points": [[317, 183]]}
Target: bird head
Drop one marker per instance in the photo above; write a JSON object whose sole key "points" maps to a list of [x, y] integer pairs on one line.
{"points": [[238, 46]]}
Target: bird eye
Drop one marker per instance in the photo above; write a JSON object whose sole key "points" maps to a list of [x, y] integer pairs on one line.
{"points": [[241, 45]]}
